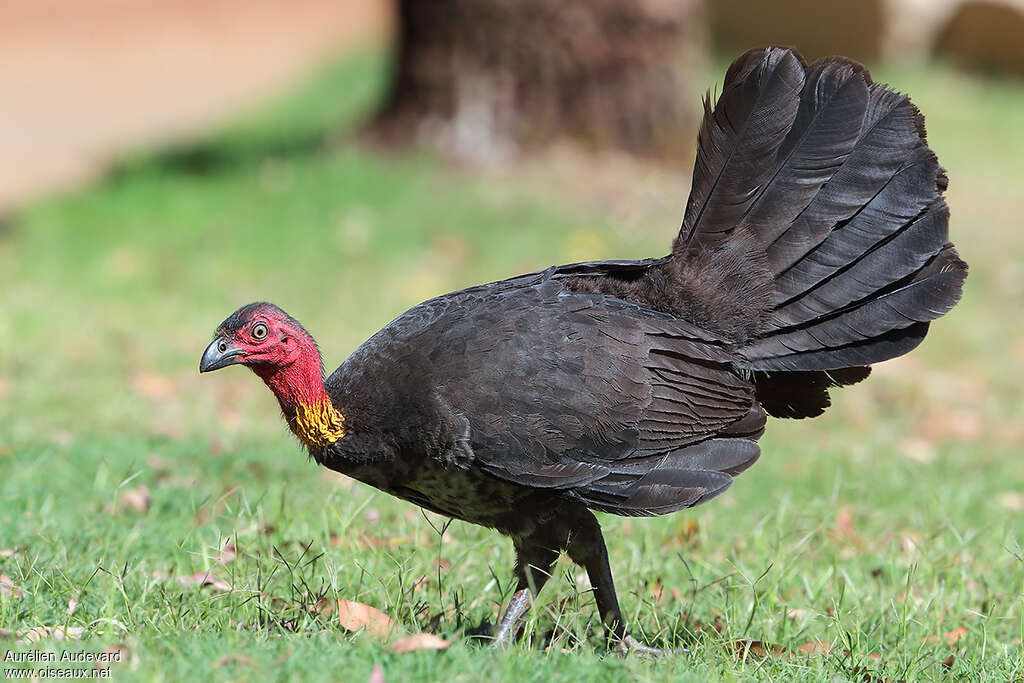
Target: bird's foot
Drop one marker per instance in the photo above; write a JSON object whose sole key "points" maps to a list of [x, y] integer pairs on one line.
{"points": [[631, 646]]}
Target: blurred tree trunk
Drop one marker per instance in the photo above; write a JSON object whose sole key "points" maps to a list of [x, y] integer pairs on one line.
{"points": [[486, 79]]}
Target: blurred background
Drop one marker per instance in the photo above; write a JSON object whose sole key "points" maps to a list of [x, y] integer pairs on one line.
{"points": [[163, 162]]}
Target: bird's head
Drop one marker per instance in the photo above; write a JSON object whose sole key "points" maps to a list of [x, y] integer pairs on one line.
{"points": [[278, 349]]}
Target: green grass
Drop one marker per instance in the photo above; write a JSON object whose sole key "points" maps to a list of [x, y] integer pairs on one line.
{"points": [[892, 521]]}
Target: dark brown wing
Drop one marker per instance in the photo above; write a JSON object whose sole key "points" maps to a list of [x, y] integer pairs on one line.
{"points": [[625, 409]]}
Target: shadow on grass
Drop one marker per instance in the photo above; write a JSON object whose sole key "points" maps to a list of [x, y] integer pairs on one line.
{"points": [[323, 112]]}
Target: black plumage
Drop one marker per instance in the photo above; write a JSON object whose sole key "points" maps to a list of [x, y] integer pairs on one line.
{"points": [[814, 244]]}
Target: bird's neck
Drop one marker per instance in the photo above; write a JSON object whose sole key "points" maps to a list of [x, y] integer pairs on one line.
{"points": [[309, 411]]}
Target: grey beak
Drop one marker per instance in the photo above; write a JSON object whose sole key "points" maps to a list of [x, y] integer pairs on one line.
{"points": [[219, 354]]}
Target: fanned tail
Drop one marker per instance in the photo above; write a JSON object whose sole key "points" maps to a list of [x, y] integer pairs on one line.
{"points": [[815, 189]]}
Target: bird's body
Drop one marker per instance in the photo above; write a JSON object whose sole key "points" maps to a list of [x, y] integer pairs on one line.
{"points": [[814, 244]]}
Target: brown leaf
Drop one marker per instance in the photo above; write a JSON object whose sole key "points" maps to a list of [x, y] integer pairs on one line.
{"points": [[918, 449], [844, 520], [947, 663], [201, 579], [233, 658], [376, 676], [354, 616], [207, 511], [955, 635], [420, 641], [158, 463], [38, 633], [325, 607], [815, 647], [758, 648], [951, 638], [152, 385], [227, 554], [658, 590], [1012, 500], [118, 654], [9, 588], [72, 605], [690, 529], [205, 579], [136, 499]]}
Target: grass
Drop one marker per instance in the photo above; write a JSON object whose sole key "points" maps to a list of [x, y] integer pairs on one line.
{"points": [[886, 529]]}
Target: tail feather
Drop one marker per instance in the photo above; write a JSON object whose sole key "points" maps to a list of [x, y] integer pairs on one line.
{"points": [[823, 181], [840, 284], [827, 124], [738, 142], [929, 294]]}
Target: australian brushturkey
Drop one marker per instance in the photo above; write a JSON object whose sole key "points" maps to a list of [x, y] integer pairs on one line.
{"points": [[814, 244]]}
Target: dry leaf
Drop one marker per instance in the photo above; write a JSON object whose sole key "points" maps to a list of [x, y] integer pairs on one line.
{"points": [[354, 616], [376, 676], [690, 529], [234, 658], [9, 588], [758, 648], [918, 450], [151, 385], [205, 579], [228, 554], [118, 654], [815, 647], [158, 463], [951, 638], [844, 520], [658, 590], [136, 499], [1012, 500], [324, 607], [947, 663], [201, 579], [72, 605], [38, 633], [207, 511], [420, 641]]}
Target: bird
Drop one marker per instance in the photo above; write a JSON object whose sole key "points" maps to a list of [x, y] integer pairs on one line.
{"points": [[814, 243]]}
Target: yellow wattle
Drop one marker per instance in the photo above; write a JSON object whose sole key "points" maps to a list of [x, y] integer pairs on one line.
{"points": [[318, 424]]}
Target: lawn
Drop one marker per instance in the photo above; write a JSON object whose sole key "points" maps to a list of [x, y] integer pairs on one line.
{"points": [[171, 518]]}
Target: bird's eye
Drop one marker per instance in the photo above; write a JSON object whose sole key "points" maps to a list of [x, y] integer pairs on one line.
{"points": [[259, 331]]}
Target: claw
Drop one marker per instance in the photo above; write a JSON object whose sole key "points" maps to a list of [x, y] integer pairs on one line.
{"points": [[631, 646]]}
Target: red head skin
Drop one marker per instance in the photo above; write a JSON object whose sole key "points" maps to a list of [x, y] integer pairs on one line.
{"points": [[286, 358]]}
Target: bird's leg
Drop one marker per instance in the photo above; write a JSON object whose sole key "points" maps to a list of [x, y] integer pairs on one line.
{"points": [[586, 548], [533, 568]]}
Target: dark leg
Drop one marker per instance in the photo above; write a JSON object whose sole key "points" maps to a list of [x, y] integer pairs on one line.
{"points": [[534, 560], [586, 548]]}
